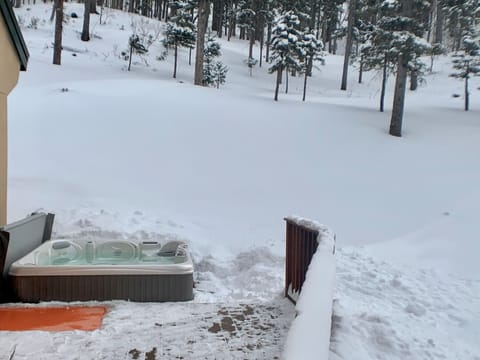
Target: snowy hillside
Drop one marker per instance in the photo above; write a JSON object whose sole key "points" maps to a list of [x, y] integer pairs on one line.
{"points": [[120, 154]]}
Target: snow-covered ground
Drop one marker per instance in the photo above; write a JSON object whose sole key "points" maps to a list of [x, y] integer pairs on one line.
{"points": [[386, 311], [139, 154]]}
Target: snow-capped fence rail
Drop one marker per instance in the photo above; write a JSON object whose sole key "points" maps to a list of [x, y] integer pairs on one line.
{"points": [[314, 274]]}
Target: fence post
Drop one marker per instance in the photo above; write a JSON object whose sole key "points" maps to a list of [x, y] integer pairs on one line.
{"points": [[301, 244]]}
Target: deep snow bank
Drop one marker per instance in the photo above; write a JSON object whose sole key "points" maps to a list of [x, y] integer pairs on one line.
{"points": [[449, 243]]}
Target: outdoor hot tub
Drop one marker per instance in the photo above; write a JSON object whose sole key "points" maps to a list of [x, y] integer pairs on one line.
{"points": [[80, 270]]}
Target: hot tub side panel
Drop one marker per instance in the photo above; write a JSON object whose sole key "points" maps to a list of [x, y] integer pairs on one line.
{"points": [[140, 288]]}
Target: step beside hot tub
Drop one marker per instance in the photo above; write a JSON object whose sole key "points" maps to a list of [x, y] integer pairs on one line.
{"points": [[81, 270]]}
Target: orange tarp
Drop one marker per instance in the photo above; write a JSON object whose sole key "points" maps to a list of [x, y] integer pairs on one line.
{"points": [[86, 318]]}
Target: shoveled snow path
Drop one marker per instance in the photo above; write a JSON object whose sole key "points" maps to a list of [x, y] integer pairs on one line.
{"points": [[384, 311], [164, 331]]}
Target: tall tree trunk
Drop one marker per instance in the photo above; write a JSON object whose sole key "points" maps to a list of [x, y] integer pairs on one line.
{"points": [[413, 80], [86, 21], [93, 7], [155, 9], [467, 95], [130, 58], [286, 80], [231, 25], [432, 21], [430, 24], [279, 80], [165, 10], [269, 39], [175, 62], [202, 22], [234, 28], [360, 72], [217, 16], [226, 24], [438, 34], [221, 20], [384, 83], [251, 39], [313, 14], [324, 33], [348, 46], [305, 80], [401, 80], [319, 28], [52, 15], [399, 97], [159, 9], [102, 8], [261, 48], [57, 47], [173, 10]]}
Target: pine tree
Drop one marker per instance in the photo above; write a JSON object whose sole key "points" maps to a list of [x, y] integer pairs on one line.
{"points": [[269, 14], [180, 32], [247, 19], [286, 46], [231, 18], [461, 18], [136, 46], [312, 51], [467, 64], [219, 73], [378, 55], [246, 15], [302, 8], [435, 50], [367, 13], [405, 20], [377, 51], [214, 72], [210, 52], [331, 11]]}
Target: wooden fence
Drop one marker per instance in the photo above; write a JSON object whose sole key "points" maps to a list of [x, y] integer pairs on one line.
{"points": [[301, 245]]}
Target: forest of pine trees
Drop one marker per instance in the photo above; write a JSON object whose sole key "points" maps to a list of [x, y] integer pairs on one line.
{"points": [[393, 37]]}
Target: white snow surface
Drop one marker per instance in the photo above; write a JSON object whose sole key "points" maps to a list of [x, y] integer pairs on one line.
{"points": [[139, 154], [402, 312]]}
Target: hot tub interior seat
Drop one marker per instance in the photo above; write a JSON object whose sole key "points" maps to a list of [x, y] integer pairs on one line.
{"points": [[66, 252]]}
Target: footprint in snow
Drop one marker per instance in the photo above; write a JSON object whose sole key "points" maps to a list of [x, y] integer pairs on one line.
{"points": [[415, 309]]}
